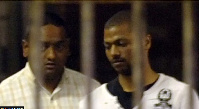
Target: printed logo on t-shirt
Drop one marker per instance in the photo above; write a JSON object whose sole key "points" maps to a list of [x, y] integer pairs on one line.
{"points": [[164, 96]]}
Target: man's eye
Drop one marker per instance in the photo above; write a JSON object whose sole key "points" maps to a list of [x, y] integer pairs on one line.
{"points": [[107, 46], [122, 43], [44, 47], [60, 46]]}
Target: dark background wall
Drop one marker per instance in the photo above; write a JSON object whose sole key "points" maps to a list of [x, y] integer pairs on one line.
{"points": [[165, 54]]}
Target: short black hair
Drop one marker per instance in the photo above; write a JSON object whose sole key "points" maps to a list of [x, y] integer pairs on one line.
{"points": [[125, 16], [48, 18], [118, 19]]}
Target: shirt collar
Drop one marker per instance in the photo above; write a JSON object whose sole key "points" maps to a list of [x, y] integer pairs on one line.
{"points": [[28, 73], [31, 78]]}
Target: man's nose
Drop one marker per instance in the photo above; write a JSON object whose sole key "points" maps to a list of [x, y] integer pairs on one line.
{"points": [[115, 51], [51, 53]]}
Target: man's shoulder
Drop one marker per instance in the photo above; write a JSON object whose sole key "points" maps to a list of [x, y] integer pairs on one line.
{"points": [[101, 91], [74, 74], [98, 97], [171, 81], [179, 90], [12, 79], [78, 77], [71, 72]]}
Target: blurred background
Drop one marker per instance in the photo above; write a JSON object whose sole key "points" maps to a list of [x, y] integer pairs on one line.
{"points": [[165, 18]]}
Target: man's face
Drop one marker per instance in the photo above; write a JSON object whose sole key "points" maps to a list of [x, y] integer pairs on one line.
{"points": [[118, 47], [54, 50]]}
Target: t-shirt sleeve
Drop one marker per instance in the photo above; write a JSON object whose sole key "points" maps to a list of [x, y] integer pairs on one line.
{"points": [[189, 99]]}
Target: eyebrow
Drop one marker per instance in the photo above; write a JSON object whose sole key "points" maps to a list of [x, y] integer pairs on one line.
{"points": [[57, 42], [120, 39]]}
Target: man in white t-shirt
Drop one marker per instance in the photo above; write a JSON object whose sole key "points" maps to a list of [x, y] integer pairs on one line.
{"points": [[160, 91]]}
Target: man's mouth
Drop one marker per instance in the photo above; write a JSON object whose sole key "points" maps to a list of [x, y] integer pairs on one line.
{"points": [[118, 62], [50, 65]]}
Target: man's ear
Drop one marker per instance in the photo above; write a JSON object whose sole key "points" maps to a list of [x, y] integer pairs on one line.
{"points": [[25, 47], [147, 43]]}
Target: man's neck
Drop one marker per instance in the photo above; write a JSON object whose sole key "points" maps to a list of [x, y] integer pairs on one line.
{"points": [[51, 82], [128, 85]]}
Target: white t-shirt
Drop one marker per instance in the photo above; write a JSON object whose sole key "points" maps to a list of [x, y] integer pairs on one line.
{"points": [[167, 92]]}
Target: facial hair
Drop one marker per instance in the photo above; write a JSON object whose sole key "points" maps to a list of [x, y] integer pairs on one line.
{"points": [[126, 71]]}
